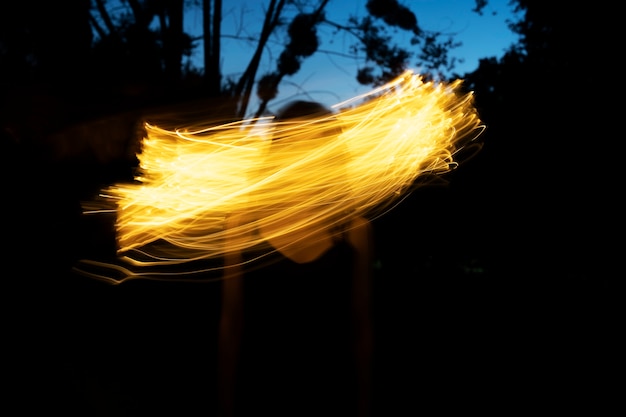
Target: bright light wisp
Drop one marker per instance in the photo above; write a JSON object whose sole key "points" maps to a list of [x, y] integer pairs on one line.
{"points": [[360, 160]]}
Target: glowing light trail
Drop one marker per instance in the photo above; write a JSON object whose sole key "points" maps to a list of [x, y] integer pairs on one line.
{"points": [[360, 161]]}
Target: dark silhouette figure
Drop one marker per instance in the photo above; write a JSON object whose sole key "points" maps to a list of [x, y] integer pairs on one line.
{"points": [[295, 336]]}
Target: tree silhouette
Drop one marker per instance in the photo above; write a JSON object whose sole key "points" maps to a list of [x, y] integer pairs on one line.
{"points": [[372, 41], [303, 42], [212, 24], [131, 48], [540, 121], [137, 48], [63, 65]]}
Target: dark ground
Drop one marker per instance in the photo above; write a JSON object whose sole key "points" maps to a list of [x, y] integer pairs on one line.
{"points": [[462, 325]]}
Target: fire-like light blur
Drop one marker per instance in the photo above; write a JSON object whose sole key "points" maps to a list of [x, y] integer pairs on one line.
{"points": [[359, 161]]}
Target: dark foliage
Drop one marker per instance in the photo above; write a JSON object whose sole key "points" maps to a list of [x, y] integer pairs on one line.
{"points": [[394, 14]]}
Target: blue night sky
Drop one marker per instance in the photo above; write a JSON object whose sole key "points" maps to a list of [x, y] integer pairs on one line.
{"points": [[329, 77]]}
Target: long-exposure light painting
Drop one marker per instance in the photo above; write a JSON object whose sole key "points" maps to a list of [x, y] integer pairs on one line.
{"points": [[361, 160]]}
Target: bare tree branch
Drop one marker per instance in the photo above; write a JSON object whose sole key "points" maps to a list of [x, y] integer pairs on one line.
{"points": [[243, 88], [106, 18]]}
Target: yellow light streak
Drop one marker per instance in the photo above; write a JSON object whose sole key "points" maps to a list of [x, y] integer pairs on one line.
{"points": [[359, 161]]}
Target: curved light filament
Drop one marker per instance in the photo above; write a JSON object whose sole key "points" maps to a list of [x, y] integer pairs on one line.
{"points": [[359, 161]]}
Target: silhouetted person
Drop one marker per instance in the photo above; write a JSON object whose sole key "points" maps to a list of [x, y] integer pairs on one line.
{"points": [[295, 335]]}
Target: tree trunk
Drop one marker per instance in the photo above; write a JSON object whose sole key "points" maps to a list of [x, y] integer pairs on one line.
{"points": [[172, 37], [244, 86], [212, 22]]}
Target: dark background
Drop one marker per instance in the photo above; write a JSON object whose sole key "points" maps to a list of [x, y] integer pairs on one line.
{"points": [[496, 293]]}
